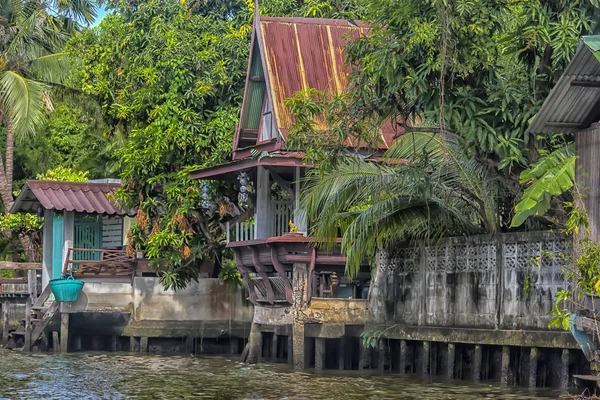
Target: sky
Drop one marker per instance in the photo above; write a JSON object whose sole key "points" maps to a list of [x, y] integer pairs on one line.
{"points": [[101, 14]]}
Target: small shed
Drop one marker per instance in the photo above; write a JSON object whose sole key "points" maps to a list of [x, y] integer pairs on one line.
{"points": [[81, 221]]}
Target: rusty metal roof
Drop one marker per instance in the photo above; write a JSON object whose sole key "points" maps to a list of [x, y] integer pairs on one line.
{"points": [[82, 197], [302, 53], [573, 104]]}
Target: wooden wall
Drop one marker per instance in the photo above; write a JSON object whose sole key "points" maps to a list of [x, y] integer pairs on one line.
{"points": [[587, 143]]}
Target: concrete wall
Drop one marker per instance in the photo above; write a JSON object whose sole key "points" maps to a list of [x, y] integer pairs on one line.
{"points": [[146, 300], [504, 281]]}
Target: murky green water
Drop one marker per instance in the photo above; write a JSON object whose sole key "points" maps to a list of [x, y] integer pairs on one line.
{"points": [[122, 376]]}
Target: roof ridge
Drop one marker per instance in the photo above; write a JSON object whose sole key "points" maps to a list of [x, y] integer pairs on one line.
{"points": [[316, 21]]}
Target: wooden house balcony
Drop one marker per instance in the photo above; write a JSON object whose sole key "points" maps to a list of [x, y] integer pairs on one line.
{"points": [[267, 267]]}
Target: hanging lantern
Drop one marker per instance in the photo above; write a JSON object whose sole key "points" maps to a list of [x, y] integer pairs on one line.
{"points": [[205, 202], [243, 179]]}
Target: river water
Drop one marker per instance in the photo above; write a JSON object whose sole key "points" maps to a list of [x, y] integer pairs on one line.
{"points": [[125, 376]]}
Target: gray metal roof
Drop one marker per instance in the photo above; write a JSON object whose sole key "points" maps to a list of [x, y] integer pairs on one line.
{"points": [[574, 102]]}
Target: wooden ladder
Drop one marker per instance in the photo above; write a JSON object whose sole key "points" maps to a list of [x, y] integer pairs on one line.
{"points": [[42, 316]]}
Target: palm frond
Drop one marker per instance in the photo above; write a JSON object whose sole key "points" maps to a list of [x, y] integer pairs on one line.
{"points": [[22, 100], [52, 68]]}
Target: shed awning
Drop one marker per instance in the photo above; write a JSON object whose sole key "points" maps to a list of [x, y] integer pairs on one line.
{"points": [[83, 197], [574, 102]]}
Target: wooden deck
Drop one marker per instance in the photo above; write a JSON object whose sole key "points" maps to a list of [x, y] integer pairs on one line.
{"points": [[98, 262]]}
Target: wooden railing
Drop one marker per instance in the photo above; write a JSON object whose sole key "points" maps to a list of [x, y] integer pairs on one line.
{"points": [[239, 231], [10, 286], [98, 262]]}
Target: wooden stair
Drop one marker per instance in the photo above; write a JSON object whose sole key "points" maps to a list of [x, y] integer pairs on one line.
{"points": [[37, 320]]}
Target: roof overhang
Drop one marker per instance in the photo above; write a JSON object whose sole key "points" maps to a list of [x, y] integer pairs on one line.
{"points": [[574, 102], [229, 171], [81, 197]]}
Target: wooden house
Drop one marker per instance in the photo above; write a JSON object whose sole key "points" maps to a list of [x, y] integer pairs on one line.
{"points": [[573, 107], [284, 271]]}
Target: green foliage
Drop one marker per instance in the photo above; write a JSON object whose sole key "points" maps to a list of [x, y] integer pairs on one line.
{"points": [[427, 187], [229, 273], [64, 174], [74, 137], [479, 69], [552, 175]]}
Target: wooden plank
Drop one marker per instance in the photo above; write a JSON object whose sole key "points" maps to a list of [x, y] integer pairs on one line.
{"points": [[39, 302], [12, 265], [32, 283], [64, 332]]}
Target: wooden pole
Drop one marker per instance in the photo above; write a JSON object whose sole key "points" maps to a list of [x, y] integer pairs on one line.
{"points": [[55, 342], [5, 323], [64, 332], [28, 327]]}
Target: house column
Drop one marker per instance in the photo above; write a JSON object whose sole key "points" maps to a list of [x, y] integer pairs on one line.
{"points": [[299, 216], [68, 233], [262, 219], [47, 247]]}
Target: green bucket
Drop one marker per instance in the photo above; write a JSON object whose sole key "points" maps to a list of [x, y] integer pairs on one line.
{"points": [[66, 289]]}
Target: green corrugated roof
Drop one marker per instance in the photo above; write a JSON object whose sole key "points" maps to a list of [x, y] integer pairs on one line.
{"points": [[593, 42]]}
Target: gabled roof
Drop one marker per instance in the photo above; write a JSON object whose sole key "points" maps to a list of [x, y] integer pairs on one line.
{"points": [[574, 102], [297, 54], [83, 197]]}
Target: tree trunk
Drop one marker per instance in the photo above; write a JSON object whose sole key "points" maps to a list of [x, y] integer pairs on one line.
{"points": [[6, 172], [10, 153]]}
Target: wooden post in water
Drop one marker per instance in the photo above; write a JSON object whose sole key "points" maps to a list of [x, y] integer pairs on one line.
{"points": [[64, 332], [533, 365], [564, 370], [477, 363], [342, 353], [144, 344], [5, 322], [320, 353], [505, 369], [426, 354], [451, 360], [28, 327], [402, 357], [55, 342], [274, 347]]}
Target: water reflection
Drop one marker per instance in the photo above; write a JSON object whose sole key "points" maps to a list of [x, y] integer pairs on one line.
{"points": [[123, 376]]}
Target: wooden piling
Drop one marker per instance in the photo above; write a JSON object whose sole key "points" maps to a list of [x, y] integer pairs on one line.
{"points": [[320, 344], [533, 366], [5, 323], [341, 353], [189, 344], [505, 366], [402, 357], [564, 369], [274, 347], [426, 357], [451, 360], [477, 363], [64, 332], [55, 342], [144, 344]]}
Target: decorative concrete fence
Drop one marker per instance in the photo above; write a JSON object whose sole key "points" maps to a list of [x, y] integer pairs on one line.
{"points": [[506, 281]]}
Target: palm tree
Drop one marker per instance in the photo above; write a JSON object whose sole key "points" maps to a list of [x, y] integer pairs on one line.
{"points": [[426, 187], [32, 35]]}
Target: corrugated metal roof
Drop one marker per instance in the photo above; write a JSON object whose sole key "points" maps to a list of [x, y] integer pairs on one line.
{"points": [[573, 104], [303, 53], [83, 197]]}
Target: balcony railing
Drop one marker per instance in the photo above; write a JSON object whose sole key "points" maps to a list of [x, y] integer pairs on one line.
{"points": [[281, 215], [98, 262]]}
